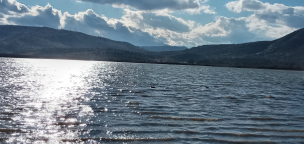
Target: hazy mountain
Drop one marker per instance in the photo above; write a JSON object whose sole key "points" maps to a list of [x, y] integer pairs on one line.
{"points": [[284, 53], [163, 48], [39, 42]]}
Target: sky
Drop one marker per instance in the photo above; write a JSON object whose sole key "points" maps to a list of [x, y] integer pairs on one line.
{"points": [[187, 23]]}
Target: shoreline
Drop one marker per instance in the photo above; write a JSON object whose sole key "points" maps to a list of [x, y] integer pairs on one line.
{"points": [[161, 63]]}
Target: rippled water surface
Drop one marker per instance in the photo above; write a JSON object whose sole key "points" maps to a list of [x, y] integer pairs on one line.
{"points": [[61, 101]]}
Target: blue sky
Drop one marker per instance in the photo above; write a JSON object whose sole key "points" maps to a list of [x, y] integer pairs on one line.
{"points": [[162, 22]]}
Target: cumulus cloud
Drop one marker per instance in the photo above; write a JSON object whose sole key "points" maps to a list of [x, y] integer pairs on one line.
{"points": [[278, 14], [2, 20], [269, 31], [192, 6], [39, 16], [12, 7], [247, 5], [144, 20], [91, 23], [224, 30]]}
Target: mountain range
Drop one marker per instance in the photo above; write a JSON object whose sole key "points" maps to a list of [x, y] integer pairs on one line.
{"points": [[163, 48], [41, 42]]}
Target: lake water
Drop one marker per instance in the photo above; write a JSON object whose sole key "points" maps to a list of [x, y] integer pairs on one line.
{"points": [[62, 101]]}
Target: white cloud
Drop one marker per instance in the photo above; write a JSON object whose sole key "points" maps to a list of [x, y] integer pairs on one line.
{"points": [[12, 7], [277, 14], [91, 23], [191, 6], [144, 20], [202, 8], [38, 16], [267, 30], [2, 20], [247, 5], [224, 30]]}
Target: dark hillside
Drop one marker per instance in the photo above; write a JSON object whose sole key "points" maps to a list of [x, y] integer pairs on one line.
{"points": [[17, 39], [40, 42], [164, 48], [284, 53]]}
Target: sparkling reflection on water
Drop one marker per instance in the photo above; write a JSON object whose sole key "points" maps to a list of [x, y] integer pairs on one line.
{"points": [[61, 101], [41, 99]]}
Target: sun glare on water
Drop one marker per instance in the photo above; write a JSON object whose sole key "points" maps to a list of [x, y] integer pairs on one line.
{"points": [[49, 102]]}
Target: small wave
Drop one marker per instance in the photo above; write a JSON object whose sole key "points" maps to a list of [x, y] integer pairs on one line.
{"points": [[187, 132], [137, 91], [161, 124], [240, 142], [211, 128], [152, 124], [175, 118], [163, 90], [19, 109], [146, 96], [10, 130], [151, 112], [99, 108], [254, 135], [6, 119], [123, 90], [223, 84], [263, 118], [269, 96], [203, 119], [3, 139], [117, 139], [231, 97], [138, 132], [133, 103], [278, 130], [235, 134], [137, 139], [9, 113], [180, 118], [160, 107], [45, 140], [100, 111], [79, 98], [76, 140], [280, 124], [68, 123], [65, 117]]}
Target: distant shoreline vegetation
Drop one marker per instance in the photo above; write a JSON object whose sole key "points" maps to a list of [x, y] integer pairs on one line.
{"points": [[286, 53]]}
